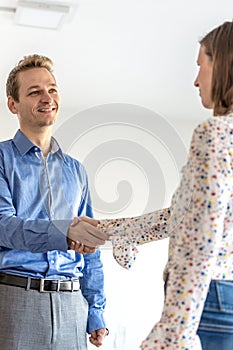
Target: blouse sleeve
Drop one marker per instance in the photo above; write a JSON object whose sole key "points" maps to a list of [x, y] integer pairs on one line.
{"points": [[127, 233], [195, 244], [140, 229]]}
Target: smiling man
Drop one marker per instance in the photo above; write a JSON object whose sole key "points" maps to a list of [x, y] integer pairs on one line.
{"points": [[50, 295], [36, 104]]}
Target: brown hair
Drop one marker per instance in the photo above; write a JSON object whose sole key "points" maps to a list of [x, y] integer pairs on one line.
{"points": [[28, 62], [218, 46]]}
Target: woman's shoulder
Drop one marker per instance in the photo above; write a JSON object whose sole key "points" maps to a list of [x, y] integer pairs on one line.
{"points": [[213, 131]]}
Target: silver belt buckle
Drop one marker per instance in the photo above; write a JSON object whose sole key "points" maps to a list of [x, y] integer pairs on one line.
{"points": [[42, 285]]}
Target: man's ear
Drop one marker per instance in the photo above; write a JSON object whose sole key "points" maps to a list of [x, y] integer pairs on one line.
{"points": [[11, 105]]}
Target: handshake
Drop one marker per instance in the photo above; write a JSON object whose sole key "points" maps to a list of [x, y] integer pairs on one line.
{"points": [[83, 235]]}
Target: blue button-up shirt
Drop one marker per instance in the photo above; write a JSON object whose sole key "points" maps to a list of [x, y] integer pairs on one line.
{"points": [[38, 199]]}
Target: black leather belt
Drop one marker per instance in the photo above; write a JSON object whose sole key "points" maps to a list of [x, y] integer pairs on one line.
{"points": [[43, 285]]}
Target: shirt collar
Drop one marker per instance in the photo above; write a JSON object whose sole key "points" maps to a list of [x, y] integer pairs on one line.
{"points": [[24, 145]]}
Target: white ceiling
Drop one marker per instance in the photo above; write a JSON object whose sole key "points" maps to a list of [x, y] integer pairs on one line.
{"points": [[141, 52]]}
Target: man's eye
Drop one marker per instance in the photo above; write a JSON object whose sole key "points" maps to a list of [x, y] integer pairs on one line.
{"points": [[53, 91], [33, 93]]}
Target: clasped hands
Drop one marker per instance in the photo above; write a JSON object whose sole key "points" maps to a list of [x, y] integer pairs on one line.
{"points": [[83, 235]]}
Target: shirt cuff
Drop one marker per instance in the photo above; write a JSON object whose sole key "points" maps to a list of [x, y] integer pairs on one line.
{"points": [[95, 321], [57, 234]]}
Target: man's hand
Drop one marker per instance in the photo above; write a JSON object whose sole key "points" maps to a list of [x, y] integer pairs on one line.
{"points": [[91, 221], [84, 237], [80, 248], [97, 337]]}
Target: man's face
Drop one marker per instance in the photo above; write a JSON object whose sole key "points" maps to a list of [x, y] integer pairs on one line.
{"points": [[39, 100]]}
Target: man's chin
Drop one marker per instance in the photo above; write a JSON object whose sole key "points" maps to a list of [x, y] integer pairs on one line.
{"points": [[47, 123]]}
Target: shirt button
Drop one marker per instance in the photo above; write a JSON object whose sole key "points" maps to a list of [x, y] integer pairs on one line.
{"points": [[52, 261]]}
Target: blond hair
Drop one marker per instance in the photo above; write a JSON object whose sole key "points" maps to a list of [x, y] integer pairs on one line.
{"points": [[28, 62]]}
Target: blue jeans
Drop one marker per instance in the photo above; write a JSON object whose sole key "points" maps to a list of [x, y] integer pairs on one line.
{"points": [[216, 326]]}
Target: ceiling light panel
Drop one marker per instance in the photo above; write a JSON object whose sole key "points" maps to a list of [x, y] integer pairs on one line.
{"points": [[41, 14]]}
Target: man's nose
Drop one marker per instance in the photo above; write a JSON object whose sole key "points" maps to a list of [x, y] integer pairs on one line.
{"points": [[46, 97]]}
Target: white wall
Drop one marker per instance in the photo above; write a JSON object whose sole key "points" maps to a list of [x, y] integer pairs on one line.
{"points": [[135, 297]]}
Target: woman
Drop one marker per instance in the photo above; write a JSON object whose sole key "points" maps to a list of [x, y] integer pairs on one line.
{"points": [[198, 306]]}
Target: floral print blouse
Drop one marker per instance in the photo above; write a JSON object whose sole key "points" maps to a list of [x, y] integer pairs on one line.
{"points": [[199, 224]]}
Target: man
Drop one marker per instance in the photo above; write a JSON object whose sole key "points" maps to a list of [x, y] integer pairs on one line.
{"points": [[50, 295]]}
